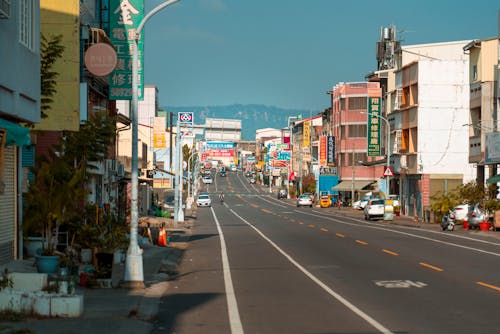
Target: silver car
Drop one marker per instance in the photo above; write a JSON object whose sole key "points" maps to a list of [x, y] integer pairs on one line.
{"points": [[477, 214]]}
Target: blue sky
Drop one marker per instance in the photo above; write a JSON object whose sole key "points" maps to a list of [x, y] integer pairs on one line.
{"points": [[288, 53]]}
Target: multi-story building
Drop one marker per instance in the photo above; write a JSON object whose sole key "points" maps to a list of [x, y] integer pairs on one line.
{"points": [[483, 118], [19, 103], [348, 124], [428, 105]]}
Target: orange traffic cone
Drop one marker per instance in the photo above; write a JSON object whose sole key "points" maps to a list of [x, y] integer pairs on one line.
{"points": [[162, 237]]}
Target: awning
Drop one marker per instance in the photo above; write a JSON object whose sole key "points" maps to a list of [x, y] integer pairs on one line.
{"points": [[494, 179], [347, 185], [16, 134]]}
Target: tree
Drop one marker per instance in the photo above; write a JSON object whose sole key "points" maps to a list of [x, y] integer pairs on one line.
{"points": [[57, 195], [309, 183], [51, 50]]}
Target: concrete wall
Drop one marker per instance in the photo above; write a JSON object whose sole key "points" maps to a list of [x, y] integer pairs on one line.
{"points": [[19, 68], [62, 18], [443, 109]]}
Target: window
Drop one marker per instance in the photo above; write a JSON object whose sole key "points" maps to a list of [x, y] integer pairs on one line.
{"points": [[26, 23], [358, 103], [357, 130], [474, 72]]}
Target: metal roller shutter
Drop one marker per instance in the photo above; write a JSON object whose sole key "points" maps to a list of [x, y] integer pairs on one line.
{"points": [[8, 206]]}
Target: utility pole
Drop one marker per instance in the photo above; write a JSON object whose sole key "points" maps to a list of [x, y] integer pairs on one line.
{"points": [[134, 274], [171, 137]]}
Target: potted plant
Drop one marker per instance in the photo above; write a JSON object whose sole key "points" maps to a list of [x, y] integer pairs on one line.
{"points": [[52, 200]]}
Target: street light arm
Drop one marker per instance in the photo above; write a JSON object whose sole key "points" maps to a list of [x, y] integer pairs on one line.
{"points": [[150, 14]]}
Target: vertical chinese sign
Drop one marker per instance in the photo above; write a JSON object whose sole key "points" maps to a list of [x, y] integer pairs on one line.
{"points": [[159, 132], [330, 155], [306, 134], [322, 150], [125, 17], [373, 136]]}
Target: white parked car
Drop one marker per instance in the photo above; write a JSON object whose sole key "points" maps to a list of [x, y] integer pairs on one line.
{"points": [[461, 211], [204, 200], [375, 208], [304, 200], [207, 179]]}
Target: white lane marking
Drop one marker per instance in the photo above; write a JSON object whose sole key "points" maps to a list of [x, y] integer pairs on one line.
{"points": [[238, 176], [232, 304], [411, 234], [334, 294], [271, 202]]}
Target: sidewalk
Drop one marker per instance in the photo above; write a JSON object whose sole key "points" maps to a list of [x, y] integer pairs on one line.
{"points": [[119, 310]]}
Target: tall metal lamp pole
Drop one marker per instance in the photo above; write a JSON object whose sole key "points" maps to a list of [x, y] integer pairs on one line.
{"points": [[134, 275]]}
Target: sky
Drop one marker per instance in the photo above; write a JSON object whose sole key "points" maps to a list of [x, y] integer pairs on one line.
{"points": [[289, 53]]}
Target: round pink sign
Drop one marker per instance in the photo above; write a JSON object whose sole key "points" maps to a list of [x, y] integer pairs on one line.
{"points": [[100, 59]]}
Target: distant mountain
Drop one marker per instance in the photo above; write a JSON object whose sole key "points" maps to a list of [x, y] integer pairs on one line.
{"points": [[252, 116]]}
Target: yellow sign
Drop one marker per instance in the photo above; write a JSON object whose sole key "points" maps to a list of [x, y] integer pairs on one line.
{"points": [[306, 134], [159, 132]]}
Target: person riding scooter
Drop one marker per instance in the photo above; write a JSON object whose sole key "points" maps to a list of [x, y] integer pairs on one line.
{"points": [[221, 197], [448, 221]]}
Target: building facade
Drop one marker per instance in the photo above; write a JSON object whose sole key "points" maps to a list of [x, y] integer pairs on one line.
{"points": [[19, 103], [483, 117], [428, 105], [348, 124]]}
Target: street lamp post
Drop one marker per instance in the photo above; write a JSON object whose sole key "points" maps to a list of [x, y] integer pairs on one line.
{"points": [[290, 167], [190, 175], [134, 275], [388, 148]]}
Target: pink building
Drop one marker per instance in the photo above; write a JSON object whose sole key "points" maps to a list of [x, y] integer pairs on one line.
{"points": [[348, 124]]}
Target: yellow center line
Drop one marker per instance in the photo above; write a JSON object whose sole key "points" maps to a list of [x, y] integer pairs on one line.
{"points": [[362, 242], [491, 286], [390, 252], [301, 223], [266, 211], [430, 266], [324, 229], [311, 226], [340, 235]]}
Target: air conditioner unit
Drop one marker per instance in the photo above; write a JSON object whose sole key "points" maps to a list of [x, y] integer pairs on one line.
{"points": [[121, 171], [396, 148], [403, 162], [398, 100]]}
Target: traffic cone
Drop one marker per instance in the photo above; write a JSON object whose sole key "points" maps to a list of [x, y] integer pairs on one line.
{"points": [[162, 237]]}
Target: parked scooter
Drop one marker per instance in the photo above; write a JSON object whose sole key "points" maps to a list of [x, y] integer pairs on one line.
{"points": [[448, 222]]}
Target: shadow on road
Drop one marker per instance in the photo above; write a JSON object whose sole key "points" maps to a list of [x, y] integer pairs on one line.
{"points": [[173, 306]]}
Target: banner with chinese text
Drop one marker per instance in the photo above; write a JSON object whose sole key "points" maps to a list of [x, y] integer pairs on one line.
{"points": [[124, 18], [373, 136]]}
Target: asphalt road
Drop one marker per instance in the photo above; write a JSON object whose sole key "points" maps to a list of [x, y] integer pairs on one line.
{"points": [[260, 265]]}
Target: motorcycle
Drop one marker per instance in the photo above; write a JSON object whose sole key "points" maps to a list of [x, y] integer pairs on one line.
{"points": [[448, 222]]}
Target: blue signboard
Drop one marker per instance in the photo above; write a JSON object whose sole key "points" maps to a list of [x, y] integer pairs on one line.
{"points": [[219, 144]]}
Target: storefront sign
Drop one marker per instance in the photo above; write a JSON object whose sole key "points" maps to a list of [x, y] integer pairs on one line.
{"points": [[125, 16], [373, 137]]}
